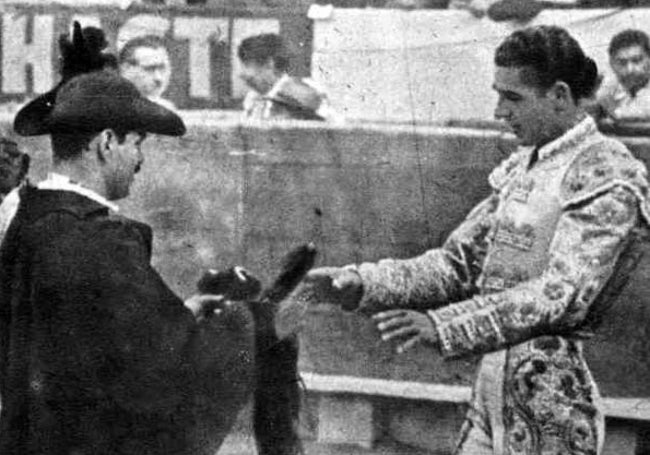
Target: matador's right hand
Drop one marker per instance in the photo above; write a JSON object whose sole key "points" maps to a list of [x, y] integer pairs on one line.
{"points": [[336, 286]]}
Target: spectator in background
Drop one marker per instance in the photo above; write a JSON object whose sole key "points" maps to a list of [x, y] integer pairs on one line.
{"points": [[144, 61], [275, 94], [628, 96], [14, 166]]}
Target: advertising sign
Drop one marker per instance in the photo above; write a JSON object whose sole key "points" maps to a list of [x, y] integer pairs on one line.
{"points": [[201, 43]]}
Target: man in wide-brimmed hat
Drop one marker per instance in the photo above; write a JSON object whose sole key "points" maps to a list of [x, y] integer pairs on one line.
{"points": [[97, 354]]}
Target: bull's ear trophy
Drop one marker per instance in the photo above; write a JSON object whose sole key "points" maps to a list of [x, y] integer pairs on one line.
{"points": [[284, 297], [295, 266], [277, 394], [278, 304]]}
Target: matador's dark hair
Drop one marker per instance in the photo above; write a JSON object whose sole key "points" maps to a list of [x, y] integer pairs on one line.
{"points": [[551, 55], [629, 38]]}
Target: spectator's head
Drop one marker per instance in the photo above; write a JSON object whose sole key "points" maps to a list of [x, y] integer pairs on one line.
{"points": [[629, 56], [264, 60], [145, 62], [14, 165], [541, 76]]}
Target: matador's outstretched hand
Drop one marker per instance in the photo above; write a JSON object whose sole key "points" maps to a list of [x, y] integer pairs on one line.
{"points": [[408, 327], [336, 286]]}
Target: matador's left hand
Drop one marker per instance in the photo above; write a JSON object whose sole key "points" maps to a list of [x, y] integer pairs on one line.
{"points": [[409, 327]]}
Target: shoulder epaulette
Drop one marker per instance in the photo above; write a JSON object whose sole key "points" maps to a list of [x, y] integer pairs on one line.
{"points": [[601, 167]]}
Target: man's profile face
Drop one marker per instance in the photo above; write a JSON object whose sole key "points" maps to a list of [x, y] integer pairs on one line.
{"points": [[525, 108], [122, 163], [260, 78], [149, 70], [632, 67]]}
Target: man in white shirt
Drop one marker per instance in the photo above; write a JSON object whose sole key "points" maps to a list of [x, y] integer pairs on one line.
{"points": [[627, 98], [275, 94]]}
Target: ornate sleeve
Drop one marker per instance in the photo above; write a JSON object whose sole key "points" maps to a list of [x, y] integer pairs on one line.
{"points": [[442, 275], [436, 277], [593, 229]]}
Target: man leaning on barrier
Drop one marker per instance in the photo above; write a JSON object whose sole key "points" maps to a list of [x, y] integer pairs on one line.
{"points": [[627, 98], [275, 94], [527, 273]]}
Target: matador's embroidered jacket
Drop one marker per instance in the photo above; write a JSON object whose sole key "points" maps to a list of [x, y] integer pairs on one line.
{"points": [[526, 269]]}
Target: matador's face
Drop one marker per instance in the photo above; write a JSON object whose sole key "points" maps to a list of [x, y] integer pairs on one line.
{"points": [[528, 110]]}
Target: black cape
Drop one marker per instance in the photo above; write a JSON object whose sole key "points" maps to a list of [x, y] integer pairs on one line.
{"points": [[97, 354]]}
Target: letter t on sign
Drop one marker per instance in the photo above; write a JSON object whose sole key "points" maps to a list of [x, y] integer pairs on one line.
{"points": [[199, 32], [17, 54]]}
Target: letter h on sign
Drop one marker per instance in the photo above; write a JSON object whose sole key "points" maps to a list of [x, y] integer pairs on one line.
{"points": [[22, 50]]}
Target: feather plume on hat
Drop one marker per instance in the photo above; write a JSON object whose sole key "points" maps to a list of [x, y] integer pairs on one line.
{"points": [[83, 54]]}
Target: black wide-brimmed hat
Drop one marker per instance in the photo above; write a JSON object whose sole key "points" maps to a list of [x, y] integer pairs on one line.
{"points": [[81, 54], [91, 96], [100, 100]]}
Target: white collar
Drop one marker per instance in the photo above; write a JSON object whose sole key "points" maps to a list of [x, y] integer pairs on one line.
{"points": [[62, 182], [573, 136], [278, 86]]}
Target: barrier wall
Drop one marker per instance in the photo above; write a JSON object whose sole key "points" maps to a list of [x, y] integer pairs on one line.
{"points": [[230, 193]]}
